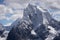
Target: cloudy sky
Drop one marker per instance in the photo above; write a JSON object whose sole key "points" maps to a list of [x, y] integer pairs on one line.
{"points": [[10, 10]]}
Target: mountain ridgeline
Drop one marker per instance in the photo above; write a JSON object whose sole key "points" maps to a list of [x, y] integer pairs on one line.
{"points": [[36, 24]]}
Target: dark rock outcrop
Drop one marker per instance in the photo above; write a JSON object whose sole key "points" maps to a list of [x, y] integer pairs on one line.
{"points": [[23, 33]]}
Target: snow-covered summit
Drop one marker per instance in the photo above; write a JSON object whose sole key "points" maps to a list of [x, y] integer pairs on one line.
{"points": [[36, 23]]}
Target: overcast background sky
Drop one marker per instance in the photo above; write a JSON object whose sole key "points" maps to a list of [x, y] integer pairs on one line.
{"points": [[10, 10]]}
